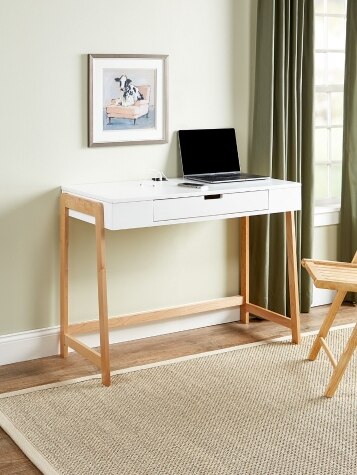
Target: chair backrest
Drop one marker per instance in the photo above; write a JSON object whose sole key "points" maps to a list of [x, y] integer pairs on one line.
{"points": [[145, 91]]}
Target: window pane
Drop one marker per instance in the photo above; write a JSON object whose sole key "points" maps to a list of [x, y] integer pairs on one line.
{"points": [[329, 71], [337, 108], [336, 28], [336, 178], [321, 108], [319, 33], [336, 6], [320, 68], [321, 145], [336, 143], [319, 6], [321, 180], [336, 68]]}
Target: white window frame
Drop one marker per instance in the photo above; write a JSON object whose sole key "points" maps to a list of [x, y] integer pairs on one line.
{"points": [[328, 203]]}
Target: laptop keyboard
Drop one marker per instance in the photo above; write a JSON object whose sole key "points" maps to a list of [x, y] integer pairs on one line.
{"points": [[220, 176], [231, 176]]}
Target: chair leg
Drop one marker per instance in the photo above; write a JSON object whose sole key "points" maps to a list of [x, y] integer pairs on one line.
{"points": [[325, 327], [342, 364]]}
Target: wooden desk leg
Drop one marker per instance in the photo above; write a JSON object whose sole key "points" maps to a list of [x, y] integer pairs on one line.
{"points": [[293, 278], [63, 276], [244, 267], [102, 295]]}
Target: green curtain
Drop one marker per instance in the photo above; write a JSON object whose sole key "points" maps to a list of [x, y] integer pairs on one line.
{"points": [[282, 143], [348, 225]]}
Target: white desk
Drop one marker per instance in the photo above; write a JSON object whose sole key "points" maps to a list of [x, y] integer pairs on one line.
{"points": [[139, 204]]}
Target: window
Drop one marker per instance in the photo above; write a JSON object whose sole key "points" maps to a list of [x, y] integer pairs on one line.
{"points": [[330, 33]]}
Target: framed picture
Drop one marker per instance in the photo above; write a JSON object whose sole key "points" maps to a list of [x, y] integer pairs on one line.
{"points": [[127, 99]]}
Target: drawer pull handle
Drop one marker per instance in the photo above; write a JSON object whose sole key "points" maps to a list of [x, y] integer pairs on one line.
{"points": [[213, 197]]}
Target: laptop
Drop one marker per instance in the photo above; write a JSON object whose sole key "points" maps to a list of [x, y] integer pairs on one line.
{"points": [[211, 156]]}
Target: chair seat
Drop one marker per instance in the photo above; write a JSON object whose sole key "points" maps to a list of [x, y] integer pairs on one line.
{"points": [[332, 275]]}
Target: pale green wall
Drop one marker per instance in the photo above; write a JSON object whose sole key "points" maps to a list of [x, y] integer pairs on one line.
{"points": [[43, 119]]}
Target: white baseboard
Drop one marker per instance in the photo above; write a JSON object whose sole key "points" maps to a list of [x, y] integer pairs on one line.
{"points": [[33, 344], [322, 297], [28, 345], [327, 215]]}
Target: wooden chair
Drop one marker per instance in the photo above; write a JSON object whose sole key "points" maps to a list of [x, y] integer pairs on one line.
{"points": [[340, 276]]}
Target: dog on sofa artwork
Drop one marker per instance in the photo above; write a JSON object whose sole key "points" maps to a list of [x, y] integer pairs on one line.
{"points": [[129, 93]]}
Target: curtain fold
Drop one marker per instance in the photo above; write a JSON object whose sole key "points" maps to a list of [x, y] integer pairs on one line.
{"points": [[282, 144], [348, 224]]}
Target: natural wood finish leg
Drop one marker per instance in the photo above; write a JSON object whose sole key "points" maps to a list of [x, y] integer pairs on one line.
{"points": [[94, 209], [102, 296], [325, 327], [294, 322], [293, 278], [342, 364], [244, 268], [63, 276]]}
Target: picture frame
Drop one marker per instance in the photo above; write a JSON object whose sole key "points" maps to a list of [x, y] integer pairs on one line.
{"points": [[127, 99]]}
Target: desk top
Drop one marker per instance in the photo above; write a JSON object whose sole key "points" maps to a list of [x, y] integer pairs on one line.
{"points": [[138, 204], [147, 190]]}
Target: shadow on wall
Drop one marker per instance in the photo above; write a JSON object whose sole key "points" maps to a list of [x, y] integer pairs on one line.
{"points": [[29, 259], [83, 105]]}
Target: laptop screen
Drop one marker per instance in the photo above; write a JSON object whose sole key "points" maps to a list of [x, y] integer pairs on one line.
{"points": [[208, 151]]}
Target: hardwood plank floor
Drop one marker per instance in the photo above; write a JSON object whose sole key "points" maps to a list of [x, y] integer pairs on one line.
{"points": [[123, 355]]}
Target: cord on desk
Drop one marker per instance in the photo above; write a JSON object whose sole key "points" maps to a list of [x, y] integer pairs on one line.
{"points": [[160, 176]]}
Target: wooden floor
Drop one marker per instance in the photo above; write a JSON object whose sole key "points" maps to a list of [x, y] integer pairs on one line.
{"points": [[124, 355]]}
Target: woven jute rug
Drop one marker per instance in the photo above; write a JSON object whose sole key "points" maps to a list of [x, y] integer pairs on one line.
{"points": [[257, 409]]}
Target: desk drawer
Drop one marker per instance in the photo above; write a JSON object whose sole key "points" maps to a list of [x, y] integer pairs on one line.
{"points": [[210, 205]]}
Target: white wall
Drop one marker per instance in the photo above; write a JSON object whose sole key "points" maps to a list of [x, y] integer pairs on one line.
{"points": [[43, 122]]}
